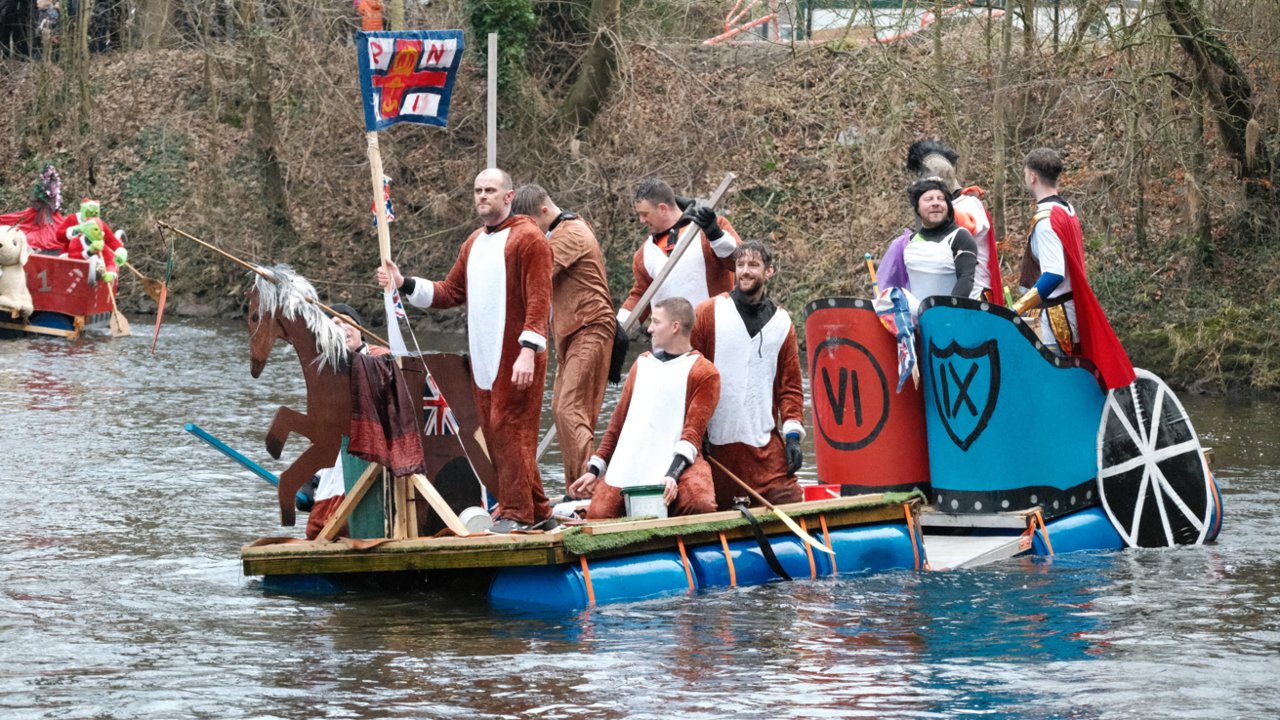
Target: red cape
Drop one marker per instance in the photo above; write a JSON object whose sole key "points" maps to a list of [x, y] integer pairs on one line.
{"points": [[40, 236], [1098, 341], [993, 261]]}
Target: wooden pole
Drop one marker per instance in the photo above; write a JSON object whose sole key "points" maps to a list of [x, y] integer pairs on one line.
{"points": [[492, 157], [267, 276], [380, 206], [687, 236], [785, 518]]}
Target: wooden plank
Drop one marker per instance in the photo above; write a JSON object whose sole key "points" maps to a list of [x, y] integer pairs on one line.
{"points": [[349, 503], [610, 528], [400, 513], [438, 504], [477, 543], [39, 330], [1017, 520], [411, 505], [359, 562], [836, 520]]}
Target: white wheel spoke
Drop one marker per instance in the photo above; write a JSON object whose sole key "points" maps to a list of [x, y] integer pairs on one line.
{"points": [[1154, 436], [1137, 508], [1162, 481], [1164, 515], [1124, 421], [1137, 409], [1156, 456]]}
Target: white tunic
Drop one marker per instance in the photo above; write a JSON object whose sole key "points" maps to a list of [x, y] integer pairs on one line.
{"points": [[654, 422], [931, 266], [748, 368]]}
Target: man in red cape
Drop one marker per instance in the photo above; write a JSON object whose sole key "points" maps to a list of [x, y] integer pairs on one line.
{"points": [[1071, 320]]}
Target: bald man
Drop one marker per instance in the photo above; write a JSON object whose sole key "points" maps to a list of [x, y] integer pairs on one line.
{"points": [[503, 274]]}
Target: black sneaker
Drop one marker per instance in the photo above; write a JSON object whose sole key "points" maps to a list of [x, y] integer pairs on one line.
{"points": [[546, 525], [505, 526]]}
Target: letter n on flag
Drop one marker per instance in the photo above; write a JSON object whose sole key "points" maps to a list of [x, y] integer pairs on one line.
{"points": [[408, 76]]}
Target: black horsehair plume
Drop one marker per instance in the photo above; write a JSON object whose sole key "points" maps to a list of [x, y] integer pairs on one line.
{"points": [[922, 149]]}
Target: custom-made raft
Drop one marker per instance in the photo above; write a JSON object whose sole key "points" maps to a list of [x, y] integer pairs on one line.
{"points": [[1002, 449], [65, 301]]}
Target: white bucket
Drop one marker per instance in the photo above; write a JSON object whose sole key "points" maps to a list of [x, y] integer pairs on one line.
{"points": [[476, 519], [645, 500]]}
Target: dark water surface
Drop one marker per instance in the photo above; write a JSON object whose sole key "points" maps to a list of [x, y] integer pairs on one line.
{"points": [[121, 594]]}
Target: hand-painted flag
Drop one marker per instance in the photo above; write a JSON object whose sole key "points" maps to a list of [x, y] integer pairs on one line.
{"points": [[407, 76], [893, 305], [437, 418]]}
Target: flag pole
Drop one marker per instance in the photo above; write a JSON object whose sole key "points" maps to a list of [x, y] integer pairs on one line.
{"points": [[492, 157], [380, 207]]}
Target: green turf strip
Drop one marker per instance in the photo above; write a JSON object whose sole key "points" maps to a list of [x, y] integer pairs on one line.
{"points": [[580, 543]]}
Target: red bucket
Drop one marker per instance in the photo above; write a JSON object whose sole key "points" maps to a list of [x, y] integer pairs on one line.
{"points": [[821, 492]]}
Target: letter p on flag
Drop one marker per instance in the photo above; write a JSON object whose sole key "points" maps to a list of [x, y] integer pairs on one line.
{"points": [[407, 76]]}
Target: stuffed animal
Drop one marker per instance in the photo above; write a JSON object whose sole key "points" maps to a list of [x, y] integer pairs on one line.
{"points": [[72, 229], [14, 296]]}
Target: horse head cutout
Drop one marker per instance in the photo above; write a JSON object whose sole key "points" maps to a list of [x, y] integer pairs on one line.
{"points": [[284, 310]]}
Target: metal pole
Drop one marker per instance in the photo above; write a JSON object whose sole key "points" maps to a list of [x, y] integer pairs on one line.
{"points": [[493, 101]]}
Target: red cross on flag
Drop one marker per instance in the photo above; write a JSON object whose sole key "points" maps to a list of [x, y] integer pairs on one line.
{"points": [[408, 76]]}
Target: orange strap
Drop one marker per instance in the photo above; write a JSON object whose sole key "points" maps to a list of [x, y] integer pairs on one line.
{"points": [[813, 569], [684, 557], [1043, 530], [728, 558], [911, 528], [823, 519], [586, 574]]}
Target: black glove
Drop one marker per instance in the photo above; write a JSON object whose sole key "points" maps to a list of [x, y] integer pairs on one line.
{"points": [[683, 202], [621, 344], [795, 456], [705, 218]]}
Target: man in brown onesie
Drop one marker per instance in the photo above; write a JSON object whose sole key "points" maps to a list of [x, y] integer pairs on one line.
{"points": [[582, 323], [503, 274], [753, 344], [656, 431], [705, 270]]}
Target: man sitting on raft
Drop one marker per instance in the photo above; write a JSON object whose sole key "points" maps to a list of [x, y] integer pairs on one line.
{"points": [[657, 427], [942, 258]]}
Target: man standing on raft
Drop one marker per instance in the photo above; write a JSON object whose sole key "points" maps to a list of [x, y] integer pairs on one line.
{"points": [[503, 274], [582, 319], [657, 427], [705, 270], [753, 344], [1071, 320]]}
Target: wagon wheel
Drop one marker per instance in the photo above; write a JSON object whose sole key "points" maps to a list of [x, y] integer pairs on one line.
{"points": [[1152, 477]]}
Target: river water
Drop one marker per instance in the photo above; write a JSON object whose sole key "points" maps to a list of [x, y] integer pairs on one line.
{"points": [[121, 594]]}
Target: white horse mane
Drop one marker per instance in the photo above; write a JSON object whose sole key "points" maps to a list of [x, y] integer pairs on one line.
{"points": [[289, 300]]}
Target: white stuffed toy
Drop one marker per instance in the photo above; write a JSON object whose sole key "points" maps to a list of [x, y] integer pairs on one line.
{"points": [[14, 296]]}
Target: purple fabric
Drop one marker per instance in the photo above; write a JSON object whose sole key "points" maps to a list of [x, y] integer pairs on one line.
{"points": [[893, 271]]}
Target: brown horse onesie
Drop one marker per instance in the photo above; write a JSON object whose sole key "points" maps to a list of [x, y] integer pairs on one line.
{"points": [[753, 345], [648, 442], [582, 320], [704, 271], [503, 274]]}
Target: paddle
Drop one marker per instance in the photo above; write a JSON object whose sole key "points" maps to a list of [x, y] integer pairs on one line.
{"points": [[687, 236], [786, 519], [150, 286], [250, 465], [119, 325]]}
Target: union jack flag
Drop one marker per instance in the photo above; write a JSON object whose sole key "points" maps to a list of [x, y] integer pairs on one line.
{"points": [[386, 196], [399, 306], [437, 418], [893, 306], [408, 76]]}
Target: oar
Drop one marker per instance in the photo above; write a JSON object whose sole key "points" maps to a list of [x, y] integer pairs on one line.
{"points": [[150, 286], [687, 236], [119, 325], [786, 519], [875, 287], [250, 465], [264, 274]]}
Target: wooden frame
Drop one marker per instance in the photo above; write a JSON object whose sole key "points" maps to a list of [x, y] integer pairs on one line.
{"points": [[77, 324]]}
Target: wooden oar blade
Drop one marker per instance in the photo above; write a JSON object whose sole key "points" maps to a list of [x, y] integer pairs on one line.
{"points": [[164, 294], [152, 287], [119, 325], [786, 520]]}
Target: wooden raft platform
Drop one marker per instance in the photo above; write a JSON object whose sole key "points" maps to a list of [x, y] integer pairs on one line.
{"points": [[493, 550]]}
